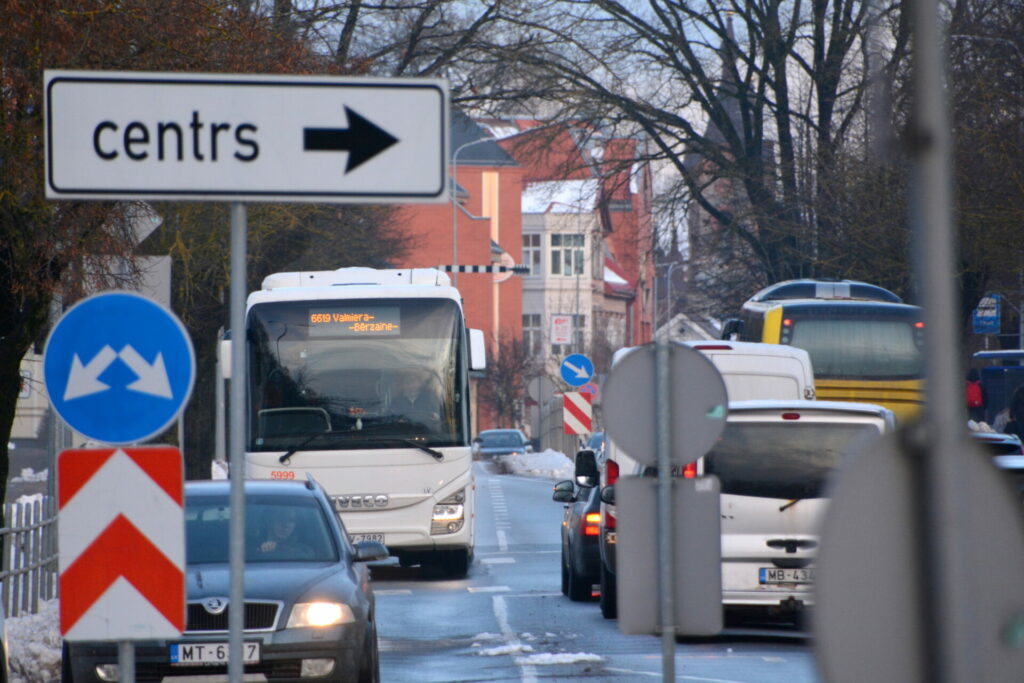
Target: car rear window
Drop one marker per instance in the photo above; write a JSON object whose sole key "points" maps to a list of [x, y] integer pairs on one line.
{"points": [[786, 460], [310, 540]]}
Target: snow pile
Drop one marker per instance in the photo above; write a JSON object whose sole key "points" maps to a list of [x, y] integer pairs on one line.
{"points": [[28, 474], [547, 658], [510, 649], [550, 464], [34, 641]]}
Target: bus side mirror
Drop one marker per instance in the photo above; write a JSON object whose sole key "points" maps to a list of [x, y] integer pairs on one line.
{"points": [[477, 350], [224, 358], [587, 475], [733, 329]]}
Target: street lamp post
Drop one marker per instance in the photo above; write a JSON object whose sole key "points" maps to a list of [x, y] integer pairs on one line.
{"points": [[455, 199]]}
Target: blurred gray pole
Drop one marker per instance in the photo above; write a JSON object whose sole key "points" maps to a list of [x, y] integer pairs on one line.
{"points": [[219, 436], [663, 514], [665, 555], [236, 443], [945, 578]]}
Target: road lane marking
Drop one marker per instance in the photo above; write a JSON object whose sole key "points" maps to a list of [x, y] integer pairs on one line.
{"points": [[502, 541], [528, 674], [497, 560], [488, 589], [392, 591]]}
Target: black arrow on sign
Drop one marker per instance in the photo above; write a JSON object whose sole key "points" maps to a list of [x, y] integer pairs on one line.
{"points": [[363, 139]]}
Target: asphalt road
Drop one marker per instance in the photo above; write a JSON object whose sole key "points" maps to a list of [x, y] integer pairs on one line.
{"points": [[508, 621]]}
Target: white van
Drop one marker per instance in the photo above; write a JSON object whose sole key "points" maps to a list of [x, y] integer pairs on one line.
{"points": [[750, 370], [754, 371], [774, 461]]}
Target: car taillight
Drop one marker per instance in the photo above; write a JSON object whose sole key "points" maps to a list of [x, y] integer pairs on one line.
{"points": [[591, 524], [791, 416], [609, 521], [690, 471], [613, 473]]}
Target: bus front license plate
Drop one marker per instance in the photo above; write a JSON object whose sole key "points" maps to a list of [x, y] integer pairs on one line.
{"points": [[359, 538], [212, 653], [773, 575]]}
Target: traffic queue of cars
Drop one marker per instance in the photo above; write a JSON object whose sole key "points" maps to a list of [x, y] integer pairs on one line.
{"points": [[309, 608], [774, 460]]}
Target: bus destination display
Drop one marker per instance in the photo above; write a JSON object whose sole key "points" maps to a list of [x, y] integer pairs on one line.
{"points": [[354, 322]]}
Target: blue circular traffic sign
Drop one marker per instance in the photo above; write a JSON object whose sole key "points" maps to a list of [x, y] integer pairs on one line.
{"points": [[119, 367], [577, 369]]}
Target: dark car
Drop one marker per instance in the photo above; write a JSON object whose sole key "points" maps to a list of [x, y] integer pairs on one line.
{"points": [[493, 442], [309, 609], [581, 559]]}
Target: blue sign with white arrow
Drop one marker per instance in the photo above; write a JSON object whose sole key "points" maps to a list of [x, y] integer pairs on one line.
{"points": [[119, 367], [577, 369]]}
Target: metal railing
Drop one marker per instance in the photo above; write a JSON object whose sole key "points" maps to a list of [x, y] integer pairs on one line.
{"points": [[28, 572]]}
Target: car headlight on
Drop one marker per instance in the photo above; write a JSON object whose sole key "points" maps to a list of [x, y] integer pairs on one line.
{"points": [[319, 614]]}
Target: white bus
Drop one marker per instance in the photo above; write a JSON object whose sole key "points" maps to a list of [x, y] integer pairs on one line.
{"points": [[360, 377]]}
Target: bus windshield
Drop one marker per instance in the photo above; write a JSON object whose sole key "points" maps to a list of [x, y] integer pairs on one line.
{"points": [[340, 374], [858, 348]]}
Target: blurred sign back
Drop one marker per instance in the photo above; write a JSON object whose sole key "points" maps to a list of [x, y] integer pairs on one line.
{"points": [[697, 400], [871, 523]]}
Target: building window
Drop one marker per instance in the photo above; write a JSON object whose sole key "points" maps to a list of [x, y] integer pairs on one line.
{"points": [[532, 332], [566, 254], [579, 326], [531, 253]]}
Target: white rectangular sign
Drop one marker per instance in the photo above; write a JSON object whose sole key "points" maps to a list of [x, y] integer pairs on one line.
{"points": [[561, 329], [124, 135]]}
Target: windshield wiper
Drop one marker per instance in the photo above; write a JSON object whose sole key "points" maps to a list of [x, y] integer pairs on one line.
{"points": [[299, 446], [361, 436], [438, 455], [790, 504]]}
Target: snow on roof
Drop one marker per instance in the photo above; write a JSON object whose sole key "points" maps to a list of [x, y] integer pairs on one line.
{"points": [[560, 196]]}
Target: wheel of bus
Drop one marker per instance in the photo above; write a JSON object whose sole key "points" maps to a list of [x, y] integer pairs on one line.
{"points": [[609, 609], [451, 564]]}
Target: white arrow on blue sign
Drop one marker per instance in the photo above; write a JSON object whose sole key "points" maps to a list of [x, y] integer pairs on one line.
{"points": [[577, 369], [119, 367]]}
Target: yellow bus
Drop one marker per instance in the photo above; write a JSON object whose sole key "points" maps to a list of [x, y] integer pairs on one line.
{"points": [[864, 341]]}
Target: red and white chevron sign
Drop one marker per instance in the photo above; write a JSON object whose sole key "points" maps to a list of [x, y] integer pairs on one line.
{"points": [[121, 531], [577, 412]]}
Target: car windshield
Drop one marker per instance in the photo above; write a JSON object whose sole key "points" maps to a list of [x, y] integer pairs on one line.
{"points": [[501, 439], [277, 529], [787, 460]]}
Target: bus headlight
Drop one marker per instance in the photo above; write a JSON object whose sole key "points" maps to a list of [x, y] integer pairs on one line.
{"points": [[449, 515]]}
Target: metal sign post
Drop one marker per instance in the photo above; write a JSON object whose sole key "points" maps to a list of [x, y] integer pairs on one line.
{"points": [[671, 426], [227, 137]]}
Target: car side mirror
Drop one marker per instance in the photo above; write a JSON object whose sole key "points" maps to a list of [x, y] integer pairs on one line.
{"points": [[564, 492], [587, 474], [370, 551], [608, 494]]}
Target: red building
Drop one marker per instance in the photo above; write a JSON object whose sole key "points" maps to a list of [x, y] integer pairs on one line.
{"points": [[481, 226]]}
